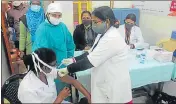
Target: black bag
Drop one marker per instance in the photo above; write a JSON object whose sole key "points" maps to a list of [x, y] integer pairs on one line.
{"points": [[83, 101], [163, 98]]}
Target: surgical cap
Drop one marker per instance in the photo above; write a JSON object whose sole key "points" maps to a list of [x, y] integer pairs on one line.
{"points": [[16, 3], [54, 7]]}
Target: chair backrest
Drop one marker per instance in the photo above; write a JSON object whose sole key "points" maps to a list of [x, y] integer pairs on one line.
{"points": [[9, 90]]}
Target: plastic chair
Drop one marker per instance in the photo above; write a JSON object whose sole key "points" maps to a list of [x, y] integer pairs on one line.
{"points": [[9, 90]]}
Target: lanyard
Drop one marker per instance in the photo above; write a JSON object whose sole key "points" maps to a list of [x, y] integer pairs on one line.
{"points": [[96, 43]]}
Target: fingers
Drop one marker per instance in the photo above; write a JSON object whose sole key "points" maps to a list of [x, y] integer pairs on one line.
{"points": [[67, 91]]}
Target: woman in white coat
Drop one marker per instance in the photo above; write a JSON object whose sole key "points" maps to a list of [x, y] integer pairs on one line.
{"points": [[131, 33], [110, 79]]}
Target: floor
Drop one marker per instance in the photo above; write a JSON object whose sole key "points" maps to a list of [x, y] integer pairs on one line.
{"points": [[169, 88]]}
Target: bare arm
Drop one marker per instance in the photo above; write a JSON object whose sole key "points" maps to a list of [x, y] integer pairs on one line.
{"points": [[77, 85], [58, 100]]}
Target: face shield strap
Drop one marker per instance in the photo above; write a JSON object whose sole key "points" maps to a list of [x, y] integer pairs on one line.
{"points": [[36, 56], [35, 66]]}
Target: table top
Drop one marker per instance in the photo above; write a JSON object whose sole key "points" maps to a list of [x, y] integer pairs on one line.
{"points": [[151, 71]]}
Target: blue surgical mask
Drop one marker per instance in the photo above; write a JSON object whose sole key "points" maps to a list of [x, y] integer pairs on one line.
{"points": [[35, 8], [99, 29]]}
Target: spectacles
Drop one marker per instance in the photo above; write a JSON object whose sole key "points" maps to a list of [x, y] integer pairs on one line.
{"points": [[56, 15], [129, 23], [96, 22], [86, 18]]}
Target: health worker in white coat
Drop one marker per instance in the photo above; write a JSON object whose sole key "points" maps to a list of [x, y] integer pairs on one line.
{"points": [[110, 79], [131, 33], [38, 85]]}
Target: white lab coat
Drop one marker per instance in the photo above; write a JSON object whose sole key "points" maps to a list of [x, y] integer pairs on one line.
{"points": [[110, 79], [33, 90], [136, 37]]}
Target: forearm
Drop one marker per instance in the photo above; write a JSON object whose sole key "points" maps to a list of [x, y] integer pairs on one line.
{"points": [[81, 88], [58, 100], [70, 80], [80, 65], [81, 56]]}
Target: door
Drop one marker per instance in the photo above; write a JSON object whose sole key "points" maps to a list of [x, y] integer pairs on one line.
{"points": [[78, 8]]}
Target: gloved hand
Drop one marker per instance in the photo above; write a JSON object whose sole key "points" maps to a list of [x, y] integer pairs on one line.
{"points": [[68, 61], [62, 72]]}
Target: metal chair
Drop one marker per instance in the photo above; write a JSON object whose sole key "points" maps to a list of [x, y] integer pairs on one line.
{"points": [[9, 90]]}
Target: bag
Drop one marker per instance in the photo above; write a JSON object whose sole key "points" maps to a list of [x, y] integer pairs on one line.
{"points": [[83, 101], [163, 98]]}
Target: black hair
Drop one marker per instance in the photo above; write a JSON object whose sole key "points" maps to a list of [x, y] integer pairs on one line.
{"points": [[10, 21], [131, 16], [45, 54], [85, 12], [104, 13]]}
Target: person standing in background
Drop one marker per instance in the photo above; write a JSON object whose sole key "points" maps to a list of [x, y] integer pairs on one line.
{"points": [[17, 11], [131, 33], [83, 35], [29, 24], [54, 34]]}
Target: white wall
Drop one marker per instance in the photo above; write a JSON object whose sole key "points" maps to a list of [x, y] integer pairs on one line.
{"points": [[45, 4], [155, 28], [122, 4], [96, 4]]}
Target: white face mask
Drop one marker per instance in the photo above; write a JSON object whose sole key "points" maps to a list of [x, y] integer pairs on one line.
{"points": [[53, 69], [55, 21]]}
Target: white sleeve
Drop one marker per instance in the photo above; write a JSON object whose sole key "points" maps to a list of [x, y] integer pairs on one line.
{"points": [[107, 47], [139, 38], [29, 97]]}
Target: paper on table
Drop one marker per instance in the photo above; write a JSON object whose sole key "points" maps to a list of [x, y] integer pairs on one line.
{"points": [[163, 56]]}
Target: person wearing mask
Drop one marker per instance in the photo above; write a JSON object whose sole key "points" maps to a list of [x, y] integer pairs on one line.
{"points": [[17, 11], [131, 33], [54, 34], [29, 24], [108, 58], [83, 35], [38, 85]]}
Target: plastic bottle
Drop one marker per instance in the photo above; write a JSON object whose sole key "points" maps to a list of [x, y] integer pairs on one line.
{"points": [[143, 56]]}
